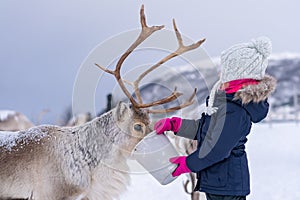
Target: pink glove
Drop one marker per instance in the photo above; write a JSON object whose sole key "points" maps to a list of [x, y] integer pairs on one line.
{"points": [[182, 167], [168, 124]]}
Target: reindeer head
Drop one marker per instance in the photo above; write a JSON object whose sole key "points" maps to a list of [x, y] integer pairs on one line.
{"points": [[129, 120], [139, 111]]}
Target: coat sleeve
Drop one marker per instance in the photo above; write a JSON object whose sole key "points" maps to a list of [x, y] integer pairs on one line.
{"points": [[224, 132], [189, 128]]}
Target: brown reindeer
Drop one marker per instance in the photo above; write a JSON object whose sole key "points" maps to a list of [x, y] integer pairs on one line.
{"points": [[86, 161], [185, 147], [14, 121], [79, 119]]}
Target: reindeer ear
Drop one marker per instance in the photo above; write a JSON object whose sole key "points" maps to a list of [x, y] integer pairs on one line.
{"points": [[121, 111]]}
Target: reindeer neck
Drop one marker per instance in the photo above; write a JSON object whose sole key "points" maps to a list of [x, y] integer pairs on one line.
{"points": [[98, 139]]}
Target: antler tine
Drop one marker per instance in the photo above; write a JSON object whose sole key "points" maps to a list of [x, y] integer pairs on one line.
{"points": [[143, 17], [144, 34], [178, 35], [175, 94], [185, 186], [182, 48], [189, 102]]}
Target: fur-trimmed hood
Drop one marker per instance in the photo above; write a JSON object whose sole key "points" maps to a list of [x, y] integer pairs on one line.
{"points": [[257, 93]]}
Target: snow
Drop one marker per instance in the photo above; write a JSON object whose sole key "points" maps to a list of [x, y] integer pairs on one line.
{"points": [[4, 114], [285, 55], [9, 139], [274, 160], [144, 186]]}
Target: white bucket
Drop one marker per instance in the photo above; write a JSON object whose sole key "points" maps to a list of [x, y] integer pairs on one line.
{"points": [[153, 153]]}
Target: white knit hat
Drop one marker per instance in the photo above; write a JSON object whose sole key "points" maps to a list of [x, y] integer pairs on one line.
{"points": [[246, 60]]}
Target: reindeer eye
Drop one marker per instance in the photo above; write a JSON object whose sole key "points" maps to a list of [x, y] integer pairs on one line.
{"points": [[138, 127]]}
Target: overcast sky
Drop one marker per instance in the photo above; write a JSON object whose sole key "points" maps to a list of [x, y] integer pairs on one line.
{"points": [[43, 43]]}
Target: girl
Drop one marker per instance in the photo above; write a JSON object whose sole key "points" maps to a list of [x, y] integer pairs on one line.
{"points": [[236, 101]]}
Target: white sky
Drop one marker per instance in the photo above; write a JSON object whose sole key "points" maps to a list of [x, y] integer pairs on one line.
{"points": [[43, 43]]}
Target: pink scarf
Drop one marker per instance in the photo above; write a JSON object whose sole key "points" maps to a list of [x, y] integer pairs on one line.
{"points": [[235, 85]]}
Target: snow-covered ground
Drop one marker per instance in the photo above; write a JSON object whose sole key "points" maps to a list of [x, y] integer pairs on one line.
{"points": [[274, 159]]}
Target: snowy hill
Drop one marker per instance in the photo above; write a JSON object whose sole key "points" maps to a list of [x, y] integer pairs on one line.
{"points": [[286, 68], [274, 161]]}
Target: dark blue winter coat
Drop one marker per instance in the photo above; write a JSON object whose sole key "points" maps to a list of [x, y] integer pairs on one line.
{"points": [[220, 159]]}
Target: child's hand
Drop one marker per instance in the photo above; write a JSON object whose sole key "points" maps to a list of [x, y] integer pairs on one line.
{"points": [[182, 167], [168, 124]]}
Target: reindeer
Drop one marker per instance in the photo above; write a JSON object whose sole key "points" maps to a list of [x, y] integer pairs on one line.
{"points": [[86, 161], [79, 119], [13, 121], [186, 147]]}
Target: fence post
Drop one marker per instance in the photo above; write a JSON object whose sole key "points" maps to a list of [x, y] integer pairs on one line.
{"points": [[296, 104], [270, 118]]}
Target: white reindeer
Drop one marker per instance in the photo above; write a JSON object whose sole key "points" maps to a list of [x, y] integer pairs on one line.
{"points": [[86, 161], [14, 121]]}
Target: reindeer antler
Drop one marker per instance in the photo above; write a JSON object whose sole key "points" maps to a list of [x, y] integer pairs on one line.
{"points": [[145, 33]]}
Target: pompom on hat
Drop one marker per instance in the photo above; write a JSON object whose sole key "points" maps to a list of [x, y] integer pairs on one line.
{"points": [[241, 61]]}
